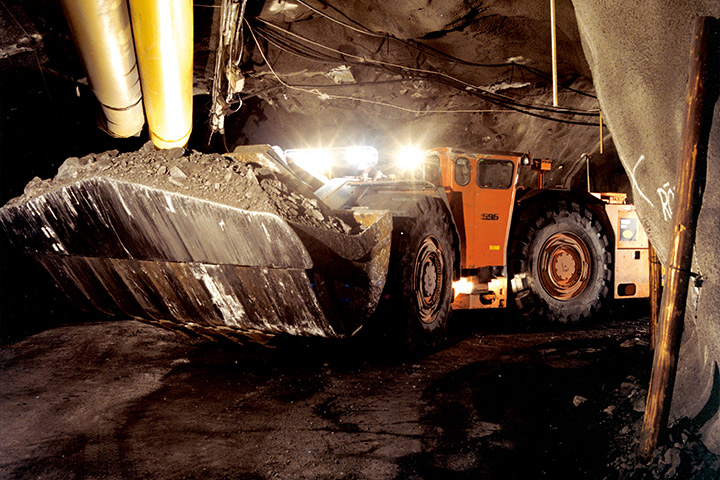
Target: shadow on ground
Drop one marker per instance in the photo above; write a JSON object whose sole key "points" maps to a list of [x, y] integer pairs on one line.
{"points": [[124, 399]]}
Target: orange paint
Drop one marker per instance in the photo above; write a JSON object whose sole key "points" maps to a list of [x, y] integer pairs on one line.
{"points": [[481, 190]]}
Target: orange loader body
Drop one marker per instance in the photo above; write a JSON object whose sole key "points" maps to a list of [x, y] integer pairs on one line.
{"points": [[483, 197]]}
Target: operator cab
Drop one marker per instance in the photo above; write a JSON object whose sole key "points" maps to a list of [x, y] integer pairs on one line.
{"points": [[480, 188]]}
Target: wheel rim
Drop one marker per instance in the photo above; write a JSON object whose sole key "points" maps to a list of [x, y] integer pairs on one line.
{"points": [[564, 266], [429, 273]]}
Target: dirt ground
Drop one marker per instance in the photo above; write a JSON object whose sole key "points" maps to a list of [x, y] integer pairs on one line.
{"points": [[501, 400]]}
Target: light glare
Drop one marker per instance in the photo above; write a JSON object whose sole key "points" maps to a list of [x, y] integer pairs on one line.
{"points": [[317, 161], [322, 161], [361, 157], [464, 285], [410, 158]]}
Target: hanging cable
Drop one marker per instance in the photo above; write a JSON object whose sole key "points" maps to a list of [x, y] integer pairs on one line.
{"points": [[508, 106], [321, 95], [227, 80], [332, 19], [426, 49], [448, 79], [315, 90]]}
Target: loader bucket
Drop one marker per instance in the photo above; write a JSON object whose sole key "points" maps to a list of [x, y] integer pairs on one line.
{"points": [[214, 245]]}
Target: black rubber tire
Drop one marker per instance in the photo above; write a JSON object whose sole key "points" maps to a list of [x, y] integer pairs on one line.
{"points": [[563, 265], [419, 287]]}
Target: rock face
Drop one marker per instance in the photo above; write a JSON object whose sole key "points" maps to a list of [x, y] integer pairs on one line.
{"points": [[465, 74], [640, 62]]}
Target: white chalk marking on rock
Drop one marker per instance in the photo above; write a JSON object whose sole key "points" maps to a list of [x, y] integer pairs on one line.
{"points": [[637, 187], [667, 198]]}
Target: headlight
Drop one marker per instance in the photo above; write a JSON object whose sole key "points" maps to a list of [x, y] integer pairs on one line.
{"points": [[410, 158], [464, 285]]}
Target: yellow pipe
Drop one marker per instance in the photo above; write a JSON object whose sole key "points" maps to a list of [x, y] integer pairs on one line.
{"points": [[163, 31], [102, 34]]}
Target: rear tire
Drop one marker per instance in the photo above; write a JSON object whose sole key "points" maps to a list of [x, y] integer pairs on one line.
{"points": [[563, 265], [419, 290]]}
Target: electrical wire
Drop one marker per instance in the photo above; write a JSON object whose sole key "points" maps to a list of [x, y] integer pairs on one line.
{"points": [[434, 52], [364, 31], [348, 18], [316, 92], [236, 57], [449, 79], [365, 61], [294, 49], [509, 108], [425, 49], [368, 60]]}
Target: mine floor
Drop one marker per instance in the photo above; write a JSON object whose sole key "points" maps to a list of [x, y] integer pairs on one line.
{"points": [[501, 400]]}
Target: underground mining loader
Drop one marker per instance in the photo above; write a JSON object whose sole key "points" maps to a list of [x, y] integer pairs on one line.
{"points": [[550, 253], [238, 246]]}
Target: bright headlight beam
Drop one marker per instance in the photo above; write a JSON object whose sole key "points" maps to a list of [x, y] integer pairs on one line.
{"points": [[322, 161], [464, 285], [410, 158], [317, 161]]}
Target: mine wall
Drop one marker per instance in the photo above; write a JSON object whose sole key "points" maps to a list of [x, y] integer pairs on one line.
{"points": [[649, 49]]}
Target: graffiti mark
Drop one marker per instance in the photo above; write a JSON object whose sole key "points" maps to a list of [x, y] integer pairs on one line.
{"points": [[667, 198], [634, 182]]}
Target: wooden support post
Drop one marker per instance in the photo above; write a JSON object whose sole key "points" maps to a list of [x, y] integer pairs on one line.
{"points": [[553, 51], [688, 198], [655, 294], [601, 133]]}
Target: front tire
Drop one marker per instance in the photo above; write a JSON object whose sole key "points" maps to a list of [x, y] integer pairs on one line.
{"points": [[420, 281], [564, 264]]}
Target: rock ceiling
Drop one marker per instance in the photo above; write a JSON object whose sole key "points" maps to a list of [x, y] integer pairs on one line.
{"points": [[473, 75]]}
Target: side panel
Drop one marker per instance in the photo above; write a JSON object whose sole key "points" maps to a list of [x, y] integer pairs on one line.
{"points": [[632, 267]]}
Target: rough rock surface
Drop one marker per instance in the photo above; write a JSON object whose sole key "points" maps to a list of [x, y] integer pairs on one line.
{"points": [[684, 457], [435, 94], [640, 62]]}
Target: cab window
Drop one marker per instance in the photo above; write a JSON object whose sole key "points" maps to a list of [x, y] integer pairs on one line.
{"points": [[497, 174], [433, 174], [462, 171]]}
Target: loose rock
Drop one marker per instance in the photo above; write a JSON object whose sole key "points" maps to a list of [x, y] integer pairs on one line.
{"points": [[242, 185]]}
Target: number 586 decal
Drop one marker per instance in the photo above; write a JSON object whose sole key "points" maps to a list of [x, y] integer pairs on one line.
{"points": [[490, 216]]}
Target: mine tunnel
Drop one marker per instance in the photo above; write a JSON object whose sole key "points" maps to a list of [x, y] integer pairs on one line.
{"points": [[324, 239]]}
